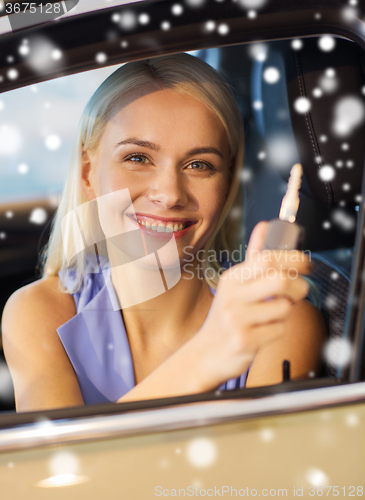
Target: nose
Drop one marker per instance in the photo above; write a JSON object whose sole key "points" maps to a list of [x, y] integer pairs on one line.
{"points": [[169, 189]]}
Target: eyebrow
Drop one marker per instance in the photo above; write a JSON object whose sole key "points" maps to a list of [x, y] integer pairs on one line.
{"points": [[155, 147]]}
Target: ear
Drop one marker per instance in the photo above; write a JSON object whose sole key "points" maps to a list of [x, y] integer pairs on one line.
{"points": [[87, 171]]}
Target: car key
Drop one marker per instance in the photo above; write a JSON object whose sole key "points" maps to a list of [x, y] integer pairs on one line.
{"points": [[283, 233]]}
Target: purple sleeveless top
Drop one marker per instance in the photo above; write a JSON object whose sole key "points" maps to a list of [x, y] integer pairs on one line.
{"points": [[96, 341]]}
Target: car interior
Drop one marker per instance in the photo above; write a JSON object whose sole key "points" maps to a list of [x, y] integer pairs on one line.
{"points": [[289, 93]]}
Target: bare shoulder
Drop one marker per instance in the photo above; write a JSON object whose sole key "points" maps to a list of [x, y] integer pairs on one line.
{"points": [[33, 348], [42, 300], [302, 344]]}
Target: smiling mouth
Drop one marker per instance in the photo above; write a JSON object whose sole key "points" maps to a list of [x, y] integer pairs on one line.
{"points": [[159, 225]]}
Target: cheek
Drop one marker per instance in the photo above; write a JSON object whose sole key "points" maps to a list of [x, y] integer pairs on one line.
{"points": [[213, 200]]}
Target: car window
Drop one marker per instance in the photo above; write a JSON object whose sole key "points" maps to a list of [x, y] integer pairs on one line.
{"points": [[38, 126]]}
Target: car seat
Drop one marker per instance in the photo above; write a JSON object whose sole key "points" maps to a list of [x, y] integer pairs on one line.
{"points": [[308, 106]]}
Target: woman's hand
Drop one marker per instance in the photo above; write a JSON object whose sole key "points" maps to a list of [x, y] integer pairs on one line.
{"points": [[258, 312], [250, 309]]}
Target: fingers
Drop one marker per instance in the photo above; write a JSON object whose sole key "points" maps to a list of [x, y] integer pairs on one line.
{"points": [[270, 262], [275, 310], [257, 239], [292, 288]]}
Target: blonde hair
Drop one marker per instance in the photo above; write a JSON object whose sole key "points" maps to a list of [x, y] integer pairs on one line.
{"points": [[182, 73]]}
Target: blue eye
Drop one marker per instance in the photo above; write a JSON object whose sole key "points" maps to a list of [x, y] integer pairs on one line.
{"points": [[137, 158], [200, 165]]}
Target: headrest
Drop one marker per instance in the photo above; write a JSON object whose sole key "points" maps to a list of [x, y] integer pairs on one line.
{"points": [[317, 99]]}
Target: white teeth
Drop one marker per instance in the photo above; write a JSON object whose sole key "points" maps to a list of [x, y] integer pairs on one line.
{"points": [[160, 227]]}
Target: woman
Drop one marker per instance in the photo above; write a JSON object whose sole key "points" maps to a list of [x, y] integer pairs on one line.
{"points": [[155, 172]]}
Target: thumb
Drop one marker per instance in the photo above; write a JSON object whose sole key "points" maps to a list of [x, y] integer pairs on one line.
{"points": [[257, 239]]}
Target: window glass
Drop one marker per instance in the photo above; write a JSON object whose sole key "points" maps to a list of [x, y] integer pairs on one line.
{"points": [[38, 125], [37, 129]]}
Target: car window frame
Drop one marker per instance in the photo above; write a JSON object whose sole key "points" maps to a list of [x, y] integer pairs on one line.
{"points": [[282, 20]]}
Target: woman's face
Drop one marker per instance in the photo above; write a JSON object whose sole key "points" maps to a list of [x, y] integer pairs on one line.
{"points": [[172, 154]]}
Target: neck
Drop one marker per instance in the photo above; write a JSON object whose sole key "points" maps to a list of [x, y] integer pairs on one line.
{"points": [[153, 311]]}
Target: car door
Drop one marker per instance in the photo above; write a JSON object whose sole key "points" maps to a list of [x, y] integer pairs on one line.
{"points": [[295, 439]]}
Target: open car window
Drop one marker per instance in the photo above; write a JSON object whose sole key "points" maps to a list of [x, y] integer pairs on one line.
{"points": [[297, 104]]}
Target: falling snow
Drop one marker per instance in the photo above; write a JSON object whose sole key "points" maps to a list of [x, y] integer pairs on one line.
{"points": [[38, 216], [251, 14], [326, 43], [64, 462], [352, 420], [223, 29], [10, 140], [144, 18], [53, 142], [246, 175], [271, 75], [338, 352], [165, 25], [297, 44], [56, 54], [24, 50], [328, 82], [252, 4], [317, 92], [23, 168], [177, 9], [202, 452], [349, 14], [128, 20], [43, 55], [258, 51], [331, 302], [344, 220], [281, 152], [316, 477], [349, 113], [302, 105], [12, 74], [195, 3], [210, 25], [101, 57], [267, 435], [327, 173]]}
